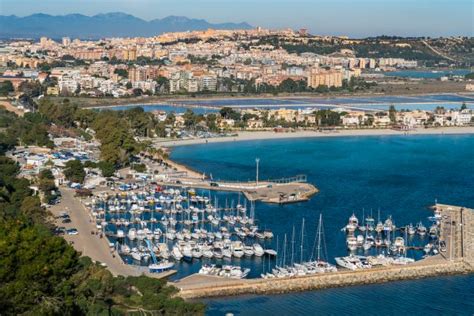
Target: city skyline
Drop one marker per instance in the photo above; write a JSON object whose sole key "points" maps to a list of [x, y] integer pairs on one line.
{"points": [[341, 17]]}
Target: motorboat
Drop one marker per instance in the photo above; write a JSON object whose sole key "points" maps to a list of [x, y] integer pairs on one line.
{"points": [[162, 266], [258, 250], [237, 250]]}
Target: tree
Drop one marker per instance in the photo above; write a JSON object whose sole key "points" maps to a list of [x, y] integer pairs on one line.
{"points": [[137, 92], [117, 142], [30, 89], [392, 114], [139, 167], [190, 119], [327, 118], [6, 87], [46, 184], [230, 113], [170, 118], [463, 106], [74, 171], [121, 72], [61, 114], [107, 168], [163, 83]]}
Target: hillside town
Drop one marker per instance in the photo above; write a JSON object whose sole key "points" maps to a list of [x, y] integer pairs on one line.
{"points": [[212, 61]]}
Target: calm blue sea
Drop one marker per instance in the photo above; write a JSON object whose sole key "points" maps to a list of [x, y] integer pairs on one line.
{"points": [[398, 175]]}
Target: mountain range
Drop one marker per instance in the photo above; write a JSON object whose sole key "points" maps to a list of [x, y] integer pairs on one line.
{"points": [[114, 24]]}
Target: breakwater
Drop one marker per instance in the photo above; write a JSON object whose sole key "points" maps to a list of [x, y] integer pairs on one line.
{"points": [[212, 287]]}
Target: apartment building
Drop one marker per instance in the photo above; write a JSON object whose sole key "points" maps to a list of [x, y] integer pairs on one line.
{"points": [[321, 77]]}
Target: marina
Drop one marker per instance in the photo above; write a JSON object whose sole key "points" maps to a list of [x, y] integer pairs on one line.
{"points": [[152, 226], [456, 259], [214, 241]]}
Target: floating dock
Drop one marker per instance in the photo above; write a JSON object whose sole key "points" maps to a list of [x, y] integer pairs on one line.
{"points": [[457, 230]]}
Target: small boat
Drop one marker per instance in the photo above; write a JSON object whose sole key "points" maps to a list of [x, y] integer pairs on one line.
{"points": [[270, 252], [427, 249], [248, 251], [176, 253], [411, 229], [237, 250], [162, 266], [258, 250], [352, 243], [421, 229]]}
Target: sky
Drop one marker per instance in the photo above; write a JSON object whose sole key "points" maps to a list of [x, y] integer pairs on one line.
{"points": [[355, 18]]}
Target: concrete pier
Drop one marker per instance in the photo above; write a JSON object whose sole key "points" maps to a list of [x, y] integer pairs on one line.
{"points": [[204, 286], [457, 232], [265, 191]]}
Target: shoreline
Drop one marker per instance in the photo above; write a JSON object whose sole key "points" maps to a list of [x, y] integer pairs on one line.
{"points": [[271, 135]]}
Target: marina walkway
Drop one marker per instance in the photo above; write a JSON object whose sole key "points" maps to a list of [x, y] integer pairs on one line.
{"points": [[265, 191]]}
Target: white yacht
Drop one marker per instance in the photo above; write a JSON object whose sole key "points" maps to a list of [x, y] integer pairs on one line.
{"points": [[258, 250], [176, 253], [237, 249], [352, 243], [248, 251], [132, 233]]}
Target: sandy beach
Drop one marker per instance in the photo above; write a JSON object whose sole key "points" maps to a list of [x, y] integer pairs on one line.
{"points": [[264, 135]]}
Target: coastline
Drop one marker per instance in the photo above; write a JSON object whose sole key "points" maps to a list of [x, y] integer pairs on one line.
{"points": [[269, 135]]}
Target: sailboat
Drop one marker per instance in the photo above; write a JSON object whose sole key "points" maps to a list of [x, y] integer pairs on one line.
{"points": [[319, 263]]}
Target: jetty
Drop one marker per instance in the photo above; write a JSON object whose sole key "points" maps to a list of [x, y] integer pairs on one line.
{"points": [[280, 191], [457, 231]]}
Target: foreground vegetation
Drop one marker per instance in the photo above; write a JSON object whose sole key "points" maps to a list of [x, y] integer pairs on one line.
{"points": [[40, 274]]}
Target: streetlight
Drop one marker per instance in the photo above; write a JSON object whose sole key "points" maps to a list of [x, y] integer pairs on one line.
{"points": [[257, 160]]}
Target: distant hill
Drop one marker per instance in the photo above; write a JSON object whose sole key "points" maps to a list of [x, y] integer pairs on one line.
{"points": [[101, 25]]}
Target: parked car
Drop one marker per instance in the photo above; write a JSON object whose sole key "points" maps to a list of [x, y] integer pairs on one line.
{"points": [[60, 230], [72, 231], [66, 221]]}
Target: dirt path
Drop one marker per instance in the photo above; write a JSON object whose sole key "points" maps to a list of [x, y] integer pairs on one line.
{"points": [[9, 107]]}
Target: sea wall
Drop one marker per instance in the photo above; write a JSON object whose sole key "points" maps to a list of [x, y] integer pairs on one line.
{"points": [[321, 281]]}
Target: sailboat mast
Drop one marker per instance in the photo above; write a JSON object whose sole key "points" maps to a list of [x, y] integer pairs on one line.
{"points": [[293, 246], [319, 236], [302, 241]]}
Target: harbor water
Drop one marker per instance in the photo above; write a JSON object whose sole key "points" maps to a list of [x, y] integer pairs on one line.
{"points": [[400, 175]]}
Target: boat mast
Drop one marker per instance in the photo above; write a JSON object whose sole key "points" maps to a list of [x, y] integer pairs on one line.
{"points": [[302, 241], [319, 235], [293, 246]]}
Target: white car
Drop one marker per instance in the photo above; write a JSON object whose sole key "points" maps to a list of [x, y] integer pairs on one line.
{"points": [[72, 231]]}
